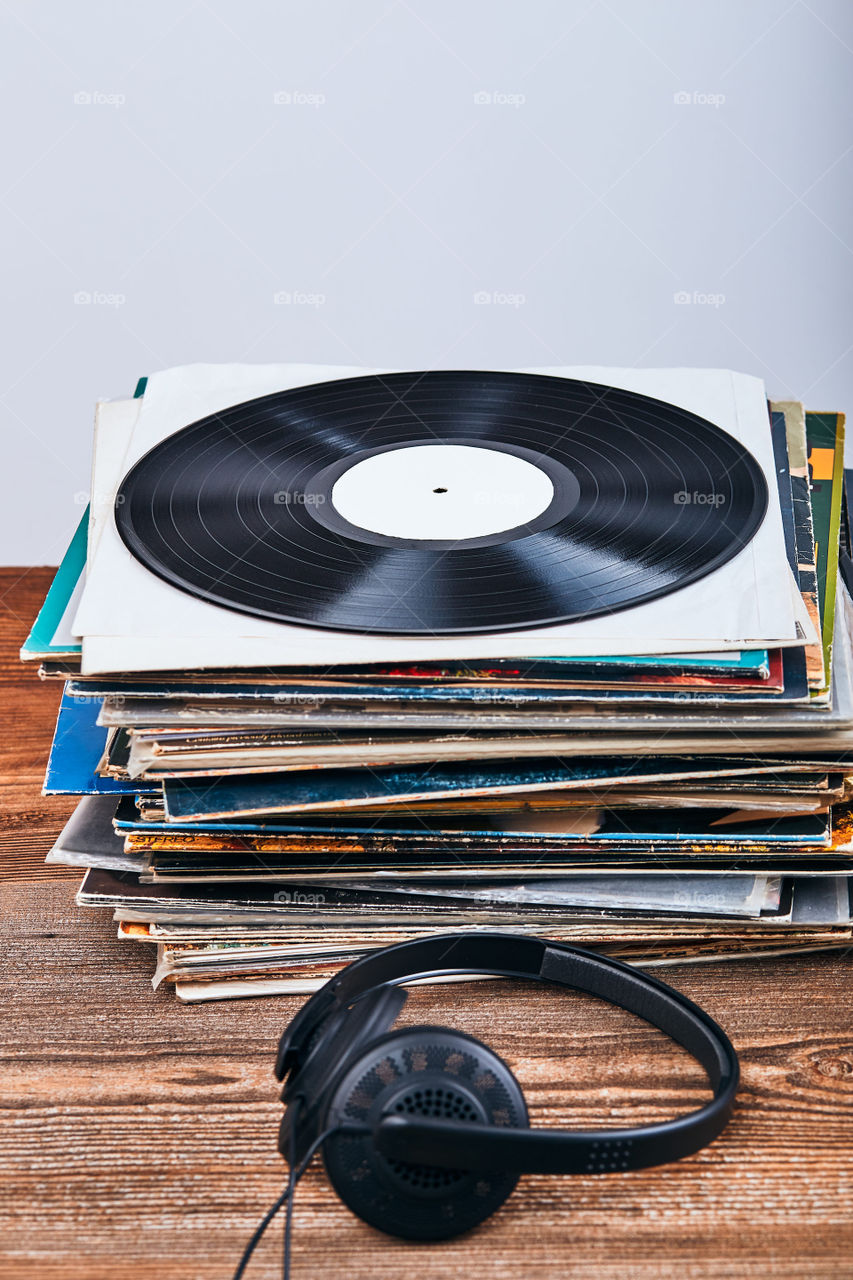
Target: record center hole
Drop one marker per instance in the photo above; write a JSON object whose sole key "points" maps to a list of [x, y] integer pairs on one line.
{"points": [[439, 491]]}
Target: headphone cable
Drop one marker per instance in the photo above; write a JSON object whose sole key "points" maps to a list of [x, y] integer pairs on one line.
{"points": [[291, 1189], [286, 1196]]}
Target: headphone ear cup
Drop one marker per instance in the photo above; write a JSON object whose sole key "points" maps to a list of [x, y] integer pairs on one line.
{"points": [[373, 1015], [420, 1071], [335, 1042]]}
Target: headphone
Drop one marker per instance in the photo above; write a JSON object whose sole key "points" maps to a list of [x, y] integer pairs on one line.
{"points": [[424, 1130]]}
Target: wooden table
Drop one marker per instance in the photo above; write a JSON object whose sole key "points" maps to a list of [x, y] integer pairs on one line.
{"points": [[139, 1135]]}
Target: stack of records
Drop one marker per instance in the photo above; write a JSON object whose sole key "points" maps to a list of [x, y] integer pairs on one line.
{"points": [[355, 656]]}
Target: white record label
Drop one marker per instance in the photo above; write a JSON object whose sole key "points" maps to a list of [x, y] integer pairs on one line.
{"points": [[442, 491]]}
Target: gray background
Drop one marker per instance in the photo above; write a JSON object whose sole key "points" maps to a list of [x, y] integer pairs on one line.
{"points": [[412, 183]]}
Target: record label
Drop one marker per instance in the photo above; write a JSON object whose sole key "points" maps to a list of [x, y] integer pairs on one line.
{"points": [[444, 492], [441, 502]]}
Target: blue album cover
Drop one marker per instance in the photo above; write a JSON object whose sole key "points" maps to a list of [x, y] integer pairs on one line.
{"points": [[40, 643], [79, 743], [343, 792], [332, 690], [298, 789]]}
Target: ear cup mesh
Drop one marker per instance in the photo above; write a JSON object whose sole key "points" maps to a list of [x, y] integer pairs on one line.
{"points": [[426, 1071], [455, 1060], [444, 1103]]}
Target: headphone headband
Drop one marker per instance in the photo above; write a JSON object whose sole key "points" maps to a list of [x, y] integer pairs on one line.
{"points": [[447, 1144]]}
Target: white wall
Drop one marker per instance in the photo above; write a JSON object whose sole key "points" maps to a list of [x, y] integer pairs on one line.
{"points": [[181, 197]]}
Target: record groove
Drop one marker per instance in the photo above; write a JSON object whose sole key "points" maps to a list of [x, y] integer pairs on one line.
{"points": [[237, 508]]}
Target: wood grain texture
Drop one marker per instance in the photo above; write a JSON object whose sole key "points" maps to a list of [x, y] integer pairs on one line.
{"points": [[138, 1136], [30, 821]]}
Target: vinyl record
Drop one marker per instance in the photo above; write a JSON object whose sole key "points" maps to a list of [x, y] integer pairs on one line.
{"points": [[441, 502]]}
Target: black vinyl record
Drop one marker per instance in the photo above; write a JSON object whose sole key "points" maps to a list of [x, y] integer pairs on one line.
{"points": [[641, 497]]}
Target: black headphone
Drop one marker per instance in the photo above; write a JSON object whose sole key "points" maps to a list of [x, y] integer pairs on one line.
{"points": [[424, 1130]]}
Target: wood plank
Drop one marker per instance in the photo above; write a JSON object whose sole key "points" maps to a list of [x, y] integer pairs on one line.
{"points": [[30, 821], [138, 1136]]}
